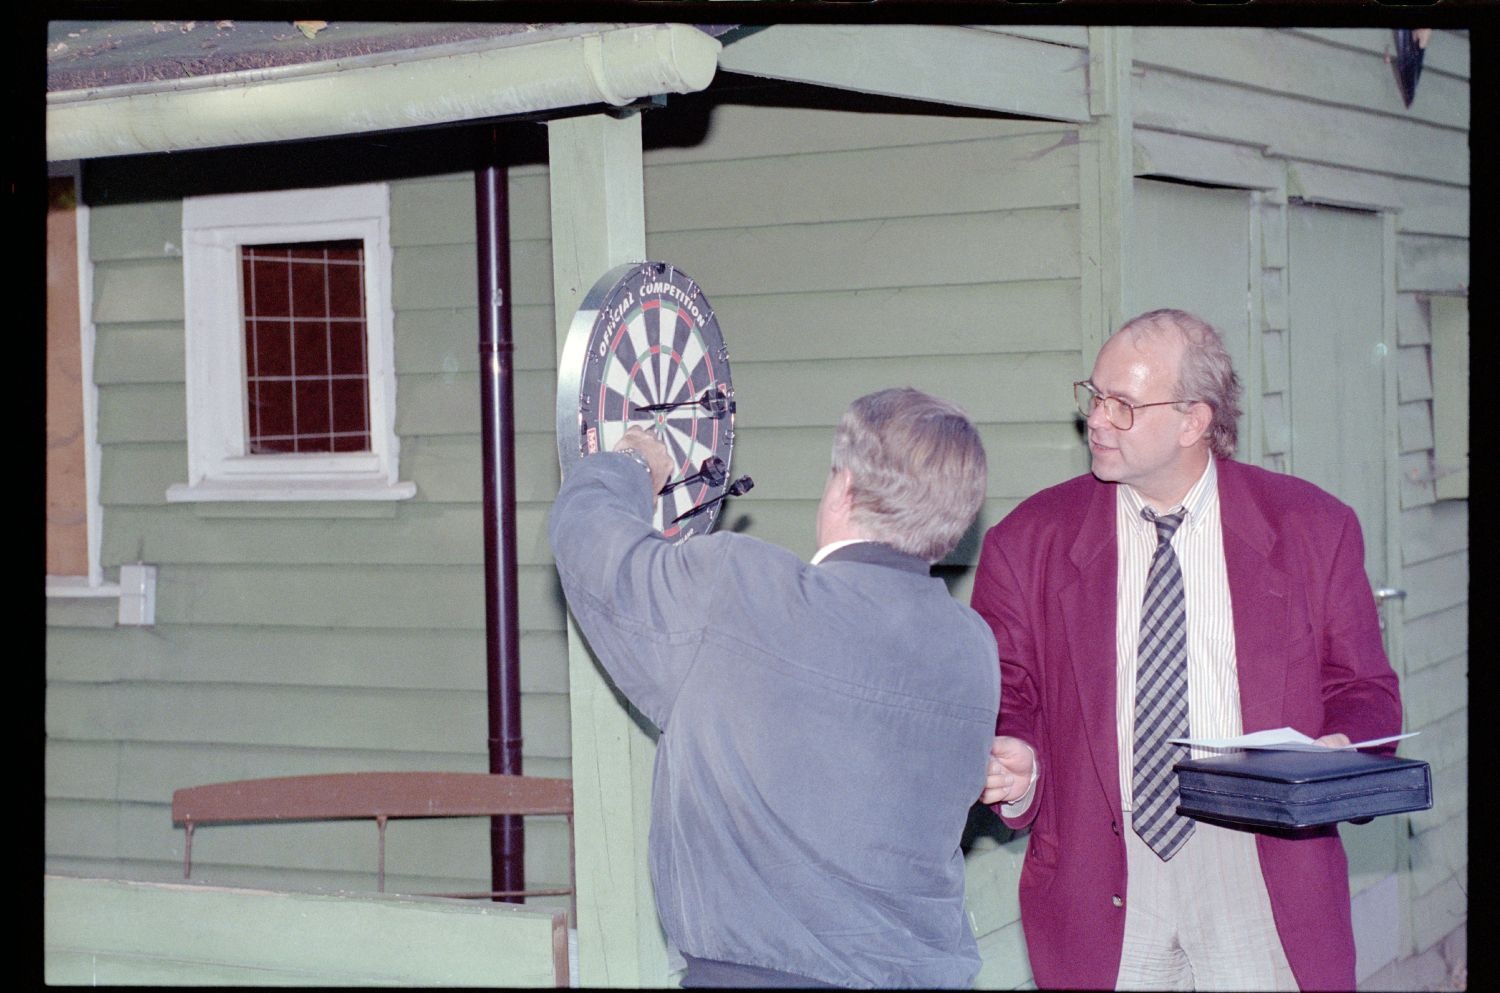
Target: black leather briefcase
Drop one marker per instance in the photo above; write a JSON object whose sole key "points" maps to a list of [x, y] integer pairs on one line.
{"points": [[1282, 788]]}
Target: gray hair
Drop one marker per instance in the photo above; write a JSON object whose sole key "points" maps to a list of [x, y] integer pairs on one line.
{"points": [[1205, 373], [917, 470]]}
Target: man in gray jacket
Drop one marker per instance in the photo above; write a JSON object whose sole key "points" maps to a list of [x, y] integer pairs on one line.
{"points": [[825, 727]]}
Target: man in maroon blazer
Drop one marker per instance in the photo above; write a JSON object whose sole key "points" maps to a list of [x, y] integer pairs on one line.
{"points": [[1280, 630]]}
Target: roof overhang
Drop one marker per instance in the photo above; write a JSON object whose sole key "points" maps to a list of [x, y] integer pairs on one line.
{"points": [[501, 71], [982, 67]]}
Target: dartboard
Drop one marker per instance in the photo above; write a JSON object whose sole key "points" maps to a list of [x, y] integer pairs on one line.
{"points": [[645, 350]]}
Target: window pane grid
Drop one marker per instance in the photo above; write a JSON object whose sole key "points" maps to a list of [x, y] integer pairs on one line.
{"points": [[307, 380]]}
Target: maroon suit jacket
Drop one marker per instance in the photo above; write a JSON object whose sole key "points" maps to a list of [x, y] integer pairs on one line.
{"points": [[1309, 656]]}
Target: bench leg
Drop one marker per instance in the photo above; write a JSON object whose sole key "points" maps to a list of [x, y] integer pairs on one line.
{"points": [[380, 865]]}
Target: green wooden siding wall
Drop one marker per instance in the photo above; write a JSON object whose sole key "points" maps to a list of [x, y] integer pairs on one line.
{"points": [[302, 638], [848, 252]]}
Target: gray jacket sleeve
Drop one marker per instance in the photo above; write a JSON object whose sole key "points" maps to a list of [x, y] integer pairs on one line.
{"points": [[641, 601]]}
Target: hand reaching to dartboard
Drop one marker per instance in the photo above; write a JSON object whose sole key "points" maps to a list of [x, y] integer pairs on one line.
{"points": [[651, 448]]}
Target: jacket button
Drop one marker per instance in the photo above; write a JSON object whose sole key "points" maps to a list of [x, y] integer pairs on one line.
{"points": [[1118, 900]]}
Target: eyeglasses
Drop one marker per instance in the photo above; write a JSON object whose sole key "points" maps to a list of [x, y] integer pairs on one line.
{"points": [[1119, 413]]}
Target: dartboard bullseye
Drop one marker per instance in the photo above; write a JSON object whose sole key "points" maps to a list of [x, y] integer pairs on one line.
{"points": [[645, 350]]}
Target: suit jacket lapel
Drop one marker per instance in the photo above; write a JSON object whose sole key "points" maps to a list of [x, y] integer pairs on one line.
{"points": [[1088, 607], [1258, 593]]}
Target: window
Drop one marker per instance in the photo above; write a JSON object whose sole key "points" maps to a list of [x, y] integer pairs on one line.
{"points": [[1450, 396], [290, 352], [306, 373]]}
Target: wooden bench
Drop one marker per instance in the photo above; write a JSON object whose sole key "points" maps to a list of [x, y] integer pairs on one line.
{"points": [[380, 796]]}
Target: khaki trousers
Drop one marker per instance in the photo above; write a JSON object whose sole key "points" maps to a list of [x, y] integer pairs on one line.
{"points": [[1201, 921]]}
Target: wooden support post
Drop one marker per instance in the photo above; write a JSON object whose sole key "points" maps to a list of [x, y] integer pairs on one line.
{"points": [[598, 222]]}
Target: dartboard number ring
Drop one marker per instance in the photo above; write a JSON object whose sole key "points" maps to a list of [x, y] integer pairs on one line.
{"points": [[645, 350]]}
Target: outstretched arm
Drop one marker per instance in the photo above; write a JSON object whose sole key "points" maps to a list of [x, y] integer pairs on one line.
{"points": [[639, 599], [1010, 786]]}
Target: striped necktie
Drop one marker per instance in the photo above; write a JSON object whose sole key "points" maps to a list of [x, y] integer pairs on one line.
{"points": [[1161, 702]]}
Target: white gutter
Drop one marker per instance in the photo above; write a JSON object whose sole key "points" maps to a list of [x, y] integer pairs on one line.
{"points": [[468, 81]]}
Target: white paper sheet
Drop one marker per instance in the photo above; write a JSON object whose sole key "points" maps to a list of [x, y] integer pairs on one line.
{"points": [[1286, 739]]}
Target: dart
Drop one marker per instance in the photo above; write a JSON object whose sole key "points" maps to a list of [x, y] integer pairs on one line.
{"points": [[712, 471], [739, 487], [717, 405]]}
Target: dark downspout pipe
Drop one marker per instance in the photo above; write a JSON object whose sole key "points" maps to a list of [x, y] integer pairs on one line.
{"points": [[497, 405]]}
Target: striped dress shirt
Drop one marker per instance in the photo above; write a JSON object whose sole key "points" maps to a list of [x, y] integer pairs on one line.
{"points": [[1213, 686]]}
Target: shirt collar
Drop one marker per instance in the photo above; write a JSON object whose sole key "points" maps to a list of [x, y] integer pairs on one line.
{"points": [[834, 546], [1195, 504]]}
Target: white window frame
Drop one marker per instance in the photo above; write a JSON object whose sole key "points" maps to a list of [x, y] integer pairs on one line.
{"points": [[219, 466]]}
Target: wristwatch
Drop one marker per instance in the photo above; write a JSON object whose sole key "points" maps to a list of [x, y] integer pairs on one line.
{"points": [[640, 459]]}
